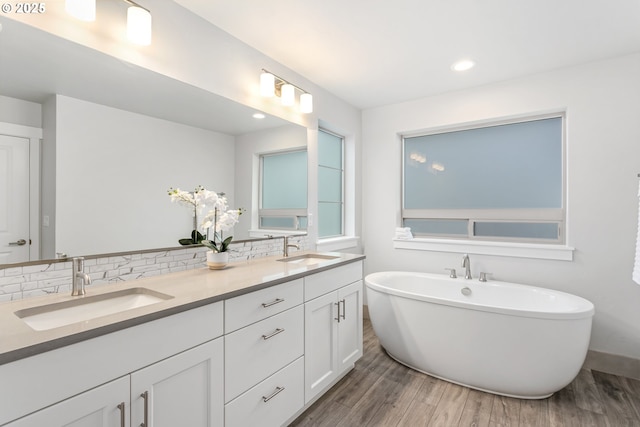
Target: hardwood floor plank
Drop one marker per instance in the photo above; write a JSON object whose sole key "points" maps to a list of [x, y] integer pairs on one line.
{"points": [[617, 406], [382, 392], [353, 387], [424, 404], [385, 390], [392, 410], [328, 413], [632, 388], [562, 409], [534, 413], [449, 409], [505, 412], [586, 392], [477, 409]]}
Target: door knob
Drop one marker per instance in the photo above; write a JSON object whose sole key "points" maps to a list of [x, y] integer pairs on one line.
{"points": [[20, 242]]}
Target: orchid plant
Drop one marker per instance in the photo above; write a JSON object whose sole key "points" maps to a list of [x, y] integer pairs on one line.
{"points": [[219, 217]]}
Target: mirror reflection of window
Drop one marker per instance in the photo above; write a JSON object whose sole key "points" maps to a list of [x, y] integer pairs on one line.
{"points": [[283, 190], [330, 184]]}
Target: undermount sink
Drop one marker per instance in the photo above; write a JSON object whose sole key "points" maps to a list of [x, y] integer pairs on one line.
{"points": [[308, 259], [51, 316]]}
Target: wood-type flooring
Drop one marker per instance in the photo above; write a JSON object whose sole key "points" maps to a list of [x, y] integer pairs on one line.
{"points": [[382, 392]]}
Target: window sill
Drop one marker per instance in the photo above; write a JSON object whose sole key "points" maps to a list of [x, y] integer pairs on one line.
{"points": [[508, 249], [337, 243]]}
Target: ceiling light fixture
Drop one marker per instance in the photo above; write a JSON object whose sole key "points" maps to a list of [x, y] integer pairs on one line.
{"points": [[85, 10], [463, 65], [272, 85], [138, 24], [138, 18]]}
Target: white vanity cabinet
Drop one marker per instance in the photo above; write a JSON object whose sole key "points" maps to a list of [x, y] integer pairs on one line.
{"points": [[177, 360], [104, 406], [264, 363], [333, 325], [185, 389], [259, 358]]}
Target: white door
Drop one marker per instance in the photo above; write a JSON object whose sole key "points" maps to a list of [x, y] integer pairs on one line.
{"points": [[350, 326], [14, 199], [104, 406], [183, 390], [320, 344]]}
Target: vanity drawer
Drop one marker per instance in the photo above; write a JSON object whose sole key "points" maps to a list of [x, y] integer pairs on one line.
{"points": [[257, 351], [330, 280], [270, 403], [255, 306]]}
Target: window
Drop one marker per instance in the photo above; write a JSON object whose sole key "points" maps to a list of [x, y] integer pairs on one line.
{"points": [[283, 190], [498, 182], [330, 184]]}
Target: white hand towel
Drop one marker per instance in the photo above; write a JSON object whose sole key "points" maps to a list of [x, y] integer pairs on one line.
{"points": [[403, 233], [636, 265]]}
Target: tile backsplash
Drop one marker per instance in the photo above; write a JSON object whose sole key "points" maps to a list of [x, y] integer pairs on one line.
{"points": [[26, 281]]}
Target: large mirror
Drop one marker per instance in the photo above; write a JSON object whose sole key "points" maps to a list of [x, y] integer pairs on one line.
{"points": [[115, 138]]}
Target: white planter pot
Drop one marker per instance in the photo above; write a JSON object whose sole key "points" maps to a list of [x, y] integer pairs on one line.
{"points": [[217, 260]]}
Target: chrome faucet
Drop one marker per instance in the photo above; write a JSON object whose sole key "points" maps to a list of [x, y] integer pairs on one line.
{"points": [[79, 278], [288, 245], [466, 263]]}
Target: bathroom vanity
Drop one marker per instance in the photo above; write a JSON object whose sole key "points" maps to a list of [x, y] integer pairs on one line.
{"points": [[254, 344]]}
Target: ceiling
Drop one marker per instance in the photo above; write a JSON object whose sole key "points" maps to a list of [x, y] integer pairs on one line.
{"points": [[378, 52]]}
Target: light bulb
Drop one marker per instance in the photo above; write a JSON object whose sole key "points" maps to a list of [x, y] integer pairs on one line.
{"points": [[84, 10], [288, 93], [463, 65], [306, 103], [267, 84], [139, 25]]}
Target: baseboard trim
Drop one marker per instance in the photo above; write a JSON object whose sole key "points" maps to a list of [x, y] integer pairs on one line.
{"points": [[612, 364]]}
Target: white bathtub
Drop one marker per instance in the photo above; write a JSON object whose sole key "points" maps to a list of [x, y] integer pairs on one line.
{"points": [[504, 338]]}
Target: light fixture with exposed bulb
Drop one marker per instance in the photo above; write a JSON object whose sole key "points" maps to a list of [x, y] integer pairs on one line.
{"points": [[273, 85]]}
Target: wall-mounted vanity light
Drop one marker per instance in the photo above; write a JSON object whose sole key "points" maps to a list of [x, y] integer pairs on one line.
{"points": [[138, 18], [272, 85]]}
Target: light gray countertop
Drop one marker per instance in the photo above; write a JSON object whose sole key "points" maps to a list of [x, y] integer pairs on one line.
{"points": [[189, 289]]}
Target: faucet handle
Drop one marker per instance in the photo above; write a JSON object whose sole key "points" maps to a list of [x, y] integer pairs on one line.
{"points": [[452, 273], [483, 276]]}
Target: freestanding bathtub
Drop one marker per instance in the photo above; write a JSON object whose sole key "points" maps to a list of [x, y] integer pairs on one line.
{"points": [[504, 338]]}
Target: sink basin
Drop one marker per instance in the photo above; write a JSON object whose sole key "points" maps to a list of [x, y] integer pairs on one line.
{"points": [[51, 316], [307, 259]]}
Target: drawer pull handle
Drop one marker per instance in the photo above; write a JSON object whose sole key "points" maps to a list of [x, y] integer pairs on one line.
{"points": [[121, 408], [145, 396], [273, 334], [338, 305], [274, 302], [272, 395], [344, 309]]}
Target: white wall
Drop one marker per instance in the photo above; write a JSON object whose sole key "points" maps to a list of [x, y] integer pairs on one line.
{"points": [[20, 112], [602, 101], [248, 148], [113, 170]]}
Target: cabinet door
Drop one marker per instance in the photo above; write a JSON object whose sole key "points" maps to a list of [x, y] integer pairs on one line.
{"points": [[321, 343], [183, 390], [104, 406], [350, 325]]}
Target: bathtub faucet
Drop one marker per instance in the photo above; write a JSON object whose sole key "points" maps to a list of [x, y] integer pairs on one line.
{"points": [[466, 263]]}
